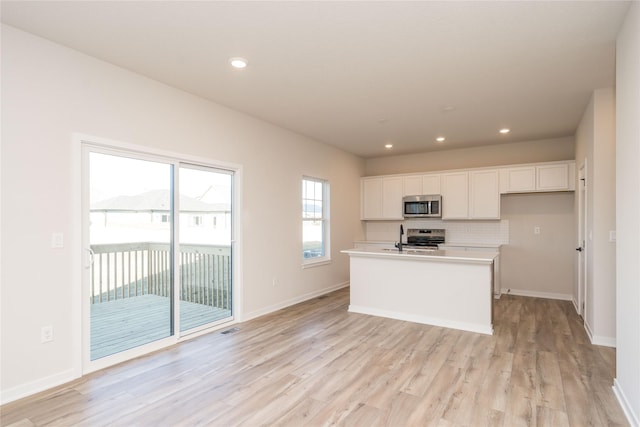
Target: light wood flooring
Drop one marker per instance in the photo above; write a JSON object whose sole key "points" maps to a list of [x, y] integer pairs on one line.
{"points": [[316, 364]]}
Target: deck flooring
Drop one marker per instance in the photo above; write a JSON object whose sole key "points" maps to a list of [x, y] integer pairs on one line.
{"points": [[127, 323]]}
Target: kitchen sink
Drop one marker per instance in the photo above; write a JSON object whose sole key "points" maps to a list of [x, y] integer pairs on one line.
{"points": [[412, 251]]}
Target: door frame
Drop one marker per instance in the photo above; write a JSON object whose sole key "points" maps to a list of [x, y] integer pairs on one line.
{"points": [[582, 239], [82, 363]]}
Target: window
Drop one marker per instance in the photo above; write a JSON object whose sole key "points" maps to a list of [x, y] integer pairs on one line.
{"points": [[196, 221], [315, 220]]}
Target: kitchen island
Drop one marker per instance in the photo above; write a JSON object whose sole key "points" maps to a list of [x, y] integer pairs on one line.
{"points": [[446, 288]]}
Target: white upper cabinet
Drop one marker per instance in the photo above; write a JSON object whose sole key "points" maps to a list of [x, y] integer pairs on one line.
{"points": [[455, 195], [381, 197], [484, 194], [431, 184], [466, 194], [518, 180], [412, 185], [392, 198], [415, 185], [471, 195], [557, 176], [371, 198]]}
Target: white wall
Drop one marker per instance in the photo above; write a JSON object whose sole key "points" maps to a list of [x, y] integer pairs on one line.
{"points": [[539, 265], [627, 382], [595, 143], [49, 92]]}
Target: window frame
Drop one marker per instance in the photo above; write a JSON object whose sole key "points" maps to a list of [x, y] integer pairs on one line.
{"points": [[325, 220]]}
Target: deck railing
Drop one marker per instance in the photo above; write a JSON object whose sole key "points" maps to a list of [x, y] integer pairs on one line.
{"points": [[125, 270]]}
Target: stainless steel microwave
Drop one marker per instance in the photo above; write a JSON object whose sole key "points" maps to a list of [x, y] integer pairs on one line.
{"points": [[424, 206]]}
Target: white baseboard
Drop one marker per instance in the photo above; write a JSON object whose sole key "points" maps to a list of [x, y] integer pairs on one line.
{"points": [[575, 305], [587, 329], [37, 386], [536, 294], [603, 341], [292, 301], [634, 419], [598, 339], [470, 327]]}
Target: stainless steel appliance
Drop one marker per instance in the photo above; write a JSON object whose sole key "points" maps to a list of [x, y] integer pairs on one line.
{"points": [[425, 237], [424, 206]]}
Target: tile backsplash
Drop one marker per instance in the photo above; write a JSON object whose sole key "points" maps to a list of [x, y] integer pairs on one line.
{"points": [[471, 232]]}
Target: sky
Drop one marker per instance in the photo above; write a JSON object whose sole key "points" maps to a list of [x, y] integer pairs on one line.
{"points": [[112, 176]]}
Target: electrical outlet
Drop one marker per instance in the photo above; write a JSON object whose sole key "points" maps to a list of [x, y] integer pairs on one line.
{"points": [[274, 282], [536, 230], [46, 334]]}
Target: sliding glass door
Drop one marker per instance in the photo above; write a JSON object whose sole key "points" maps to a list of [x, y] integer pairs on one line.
{"points": [[205, 246], [160, 262]]}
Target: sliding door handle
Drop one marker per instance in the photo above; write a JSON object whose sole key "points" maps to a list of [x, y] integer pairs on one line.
{"points": [[90, 258]]}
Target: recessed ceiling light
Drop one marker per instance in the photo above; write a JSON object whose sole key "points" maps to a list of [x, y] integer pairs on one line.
{"points": [[238, 62], [388, 146], [440, 139], [505, 130]]}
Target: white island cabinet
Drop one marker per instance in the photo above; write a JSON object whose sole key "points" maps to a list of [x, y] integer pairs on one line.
{"points": [[452, 289]]}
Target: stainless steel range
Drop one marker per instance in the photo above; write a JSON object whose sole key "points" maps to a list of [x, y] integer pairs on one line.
{"points": [[425, 237]]}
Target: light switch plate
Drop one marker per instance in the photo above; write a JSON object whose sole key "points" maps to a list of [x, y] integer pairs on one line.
{"points": [[57, 240], [612, 235]]}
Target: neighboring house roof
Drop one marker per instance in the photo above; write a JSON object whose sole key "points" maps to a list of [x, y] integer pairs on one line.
{"points": [[155, 201], [311, 207]]}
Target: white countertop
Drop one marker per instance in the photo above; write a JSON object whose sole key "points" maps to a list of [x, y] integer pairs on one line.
{"points": [[474, 245], [446, 244], [484, 257]]}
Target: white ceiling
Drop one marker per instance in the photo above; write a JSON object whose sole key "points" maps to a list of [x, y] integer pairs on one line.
{"points": [[359, 74]]}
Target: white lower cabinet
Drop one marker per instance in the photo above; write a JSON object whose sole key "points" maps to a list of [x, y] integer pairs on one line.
{"points": [[497, 286]]}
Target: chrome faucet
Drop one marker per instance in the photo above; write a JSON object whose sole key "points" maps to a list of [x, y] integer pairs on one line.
{"points": [[399, 244]]}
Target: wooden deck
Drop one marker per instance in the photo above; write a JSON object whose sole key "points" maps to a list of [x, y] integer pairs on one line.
{"points": [[127, 323]]}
